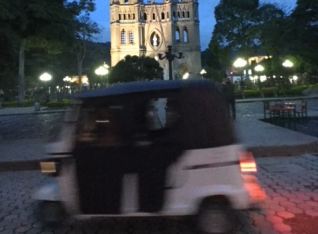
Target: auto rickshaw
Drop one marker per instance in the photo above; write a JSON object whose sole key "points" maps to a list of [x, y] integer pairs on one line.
{"points": [[155, 148]]}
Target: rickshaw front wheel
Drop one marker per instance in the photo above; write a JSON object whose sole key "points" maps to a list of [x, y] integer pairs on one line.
{"points": [[50, 213]]}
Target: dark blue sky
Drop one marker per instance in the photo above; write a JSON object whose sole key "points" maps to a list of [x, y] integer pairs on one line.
{"points": [[206, 10]]}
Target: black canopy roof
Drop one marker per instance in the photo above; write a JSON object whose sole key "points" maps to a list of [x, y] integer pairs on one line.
{"points": [[145, 86]]}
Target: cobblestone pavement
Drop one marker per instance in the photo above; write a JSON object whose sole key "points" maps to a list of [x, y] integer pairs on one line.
{"points": [[291, 184]]}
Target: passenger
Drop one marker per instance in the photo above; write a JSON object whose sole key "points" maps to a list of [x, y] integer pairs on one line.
{"points": [[227, 89], [108, 127]]}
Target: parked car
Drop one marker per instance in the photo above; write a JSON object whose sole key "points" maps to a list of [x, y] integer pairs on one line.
{"points": [[150, 148]]}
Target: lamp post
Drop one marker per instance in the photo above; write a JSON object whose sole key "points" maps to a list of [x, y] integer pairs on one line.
{"points": [[240, 63], [186, 76], [45, 77], [288, 64], [170, 57], [102, 70], [67, 80], [202, 73], [259, 68]]}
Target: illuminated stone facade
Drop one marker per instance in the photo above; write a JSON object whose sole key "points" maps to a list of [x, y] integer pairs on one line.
{"points": [[139, 28]]}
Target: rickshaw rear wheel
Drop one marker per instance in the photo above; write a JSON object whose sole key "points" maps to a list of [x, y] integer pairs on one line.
{"points": [[216, 218], [50, 213]]}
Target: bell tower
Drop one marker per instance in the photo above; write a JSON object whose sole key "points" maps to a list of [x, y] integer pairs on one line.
{"points": [[147, 29]]}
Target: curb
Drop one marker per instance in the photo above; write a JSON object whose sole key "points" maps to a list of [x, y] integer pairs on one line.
{"points": [[285, 150]]}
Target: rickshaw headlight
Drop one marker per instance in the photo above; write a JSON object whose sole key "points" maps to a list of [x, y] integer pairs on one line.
{"points": [[49, 168]]}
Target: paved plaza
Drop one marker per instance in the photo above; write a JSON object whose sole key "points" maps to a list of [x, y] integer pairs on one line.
{"points": [[290, 182]]}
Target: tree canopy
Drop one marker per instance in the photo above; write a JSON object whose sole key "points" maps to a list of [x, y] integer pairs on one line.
{"points": [[247, 28], [134, 68], [37, 24]]}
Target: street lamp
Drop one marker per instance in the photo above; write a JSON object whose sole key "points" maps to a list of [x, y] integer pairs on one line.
{"points": [[102, 70], [68, 80], [186, 76], [240, 63], [259, 68], [288, 63], [45, 77], [170, 57], [202, 73]]}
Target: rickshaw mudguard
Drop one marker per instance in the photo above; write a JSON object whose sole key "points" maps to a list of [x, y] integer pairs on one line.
{"points": [[48, 192]]}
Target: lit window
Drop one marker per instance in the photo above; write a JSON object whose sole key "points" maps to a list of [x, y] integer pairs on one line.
{"points": [[185, 35], [123, 37], [131, 38], [177, 34]]}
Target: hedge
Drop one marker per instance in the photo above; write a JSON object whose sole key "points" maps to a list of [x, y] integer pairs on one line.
{"points": [[52, 104]]}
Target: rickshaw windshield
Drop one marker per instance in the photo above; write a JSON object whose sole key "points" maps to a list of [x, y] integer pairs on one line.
{"points": [[187, 118]]}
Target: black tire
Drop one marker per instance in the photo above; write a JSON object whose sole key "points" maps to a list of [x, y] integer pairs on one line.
{"points": [[50, 213], [214, 218]]}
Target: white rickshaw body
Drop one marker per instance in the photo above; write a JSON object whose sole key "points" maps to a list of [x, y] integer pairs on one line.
{"points": [[149, 148]]}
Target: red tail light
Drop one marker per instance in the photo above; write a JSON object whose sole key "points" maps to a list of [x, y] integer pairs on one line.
{"points": [[247, 163]]}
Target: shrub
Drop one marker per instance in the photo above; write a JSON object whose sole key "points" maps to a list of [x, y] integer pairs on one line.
{"points": [[16, 104], [55, 104], [269, 91]]}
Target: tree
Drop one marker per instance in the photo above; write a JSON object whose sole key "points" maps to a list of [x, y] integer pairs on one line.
{"points": [[233, 29], [215, 70], [134, 68], [85, 29], [303, 31], [270, 29], [38, 24]]}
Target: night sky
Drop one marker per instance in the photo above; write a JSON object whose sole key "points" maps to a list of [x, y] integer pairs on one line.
{"points": [[206, 10]]}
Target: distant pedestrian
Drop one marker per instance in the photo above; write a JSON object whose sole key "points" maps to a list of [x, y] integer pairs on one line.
{"points": [[227, 88]]}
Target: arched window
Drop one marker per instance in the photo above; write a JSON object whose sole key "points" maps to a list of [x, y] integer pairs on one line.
{"points": [[123, 37], [188, 14], [162, 16], [131, 37], [134, 16], [185, 35], [178, 34], [124, 16], [174, 15], [129, 16], [119, 16], [183, 14], [153, 16], [145, 16], [179, 14], [167, 15]]}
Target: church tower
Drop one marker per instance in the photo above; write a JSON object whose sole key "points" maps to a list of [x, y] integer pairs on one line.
{"points": [[148, 28]]}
